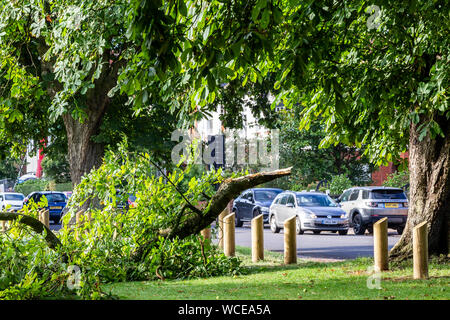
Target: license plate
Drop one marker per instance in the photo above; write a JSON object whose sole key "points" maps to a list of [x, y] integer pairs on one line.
{"points": [[51, 208], [329, 221], [391, 205]]}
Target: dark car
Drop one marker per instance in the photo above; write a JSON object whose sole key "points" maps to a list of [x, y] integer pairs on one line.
{"points": [[253, 202], [125, 201], [56, 202]]}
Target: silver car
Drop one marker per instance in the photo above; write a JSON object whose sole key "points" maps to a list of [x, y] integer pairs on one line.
{"points": [[366, 205], [315, 211]]}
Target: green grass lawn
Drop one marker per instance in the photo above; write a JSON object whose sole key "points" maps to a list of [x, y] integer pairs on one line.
{"points": [[271, 279]]}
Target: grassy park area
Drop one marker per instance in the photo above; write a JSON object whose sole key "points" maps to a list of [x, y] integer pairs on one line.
{"points": [[158, 119], [308, 280]]}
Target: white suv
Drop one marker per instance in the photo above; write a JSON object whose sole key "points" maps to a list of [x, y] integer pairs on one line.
{"points": [[15, 200], [366, 205]]}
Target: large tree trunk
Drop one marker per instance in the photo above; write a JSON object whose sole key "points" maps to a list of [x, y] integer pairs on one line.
{"points": [[84, 153], [429, 165]]}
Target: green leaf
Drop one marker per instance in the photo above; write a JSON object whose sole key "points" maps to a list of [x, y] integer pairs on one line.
{"points": [[182, 8], [265, 19]]}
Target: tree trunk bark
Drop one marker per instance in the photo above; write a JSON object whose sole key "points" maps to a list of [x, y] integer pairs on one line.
{"points": [[429, 165], [84, 154]]}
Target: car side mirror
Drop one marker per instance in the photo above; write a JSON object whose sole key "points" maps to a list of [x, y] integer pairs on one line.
{"points": [[338, 200]]}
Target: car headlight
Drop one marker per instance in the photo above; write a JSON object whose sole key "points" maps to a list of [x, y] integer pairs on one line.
{"points": [[264, 209], [312, 216], [343, 216]]}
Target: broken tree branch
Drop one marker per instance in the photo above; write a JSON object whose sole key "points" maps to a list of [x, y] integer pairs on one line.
{"points": [[227, 191], [35, 224]]}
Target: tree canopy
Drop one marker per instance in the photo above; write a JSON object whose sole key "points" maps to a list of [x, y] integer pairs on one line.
{"points": [[375, 73]]}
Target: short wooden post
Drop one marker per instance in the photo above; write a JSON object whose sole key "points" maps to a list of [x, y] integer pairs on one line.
{"points": [[4, 226], [257, 238], [206, 233], [229, 237], [220, 233], [290, 241], [46, 218], [420, 251], [380, 245], [41, 215]]}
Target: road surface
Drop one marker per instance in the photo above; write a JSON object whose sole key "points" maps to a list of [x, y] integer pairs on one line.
{"points": [[326, 245]]}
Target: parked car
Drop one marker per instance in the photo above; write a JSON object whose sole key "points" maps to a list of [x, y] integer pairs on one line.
{"points": [[56, 202], [68, 194], [253, 202], [12, 199], [125, 201], [314, 211], [26, 177], [366, 205]]}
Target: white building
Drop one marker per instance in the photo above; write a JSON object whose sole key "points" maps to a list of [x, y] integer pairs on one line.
{"points": [[249, 145]]}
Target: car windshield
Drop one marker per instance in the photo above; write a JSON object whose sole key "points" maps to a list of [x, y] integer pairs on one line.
{"points": [[14, 197], [315, 200], [55, 197], [266, 195], [388, 194]]}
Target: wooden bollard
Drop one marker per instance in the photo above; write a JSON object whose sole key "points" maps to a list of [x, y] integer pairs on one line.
{"points": [[46, 218], [290, 241], [41, 216], [380, 245], [220, 233], [206, 233], [257, 238], [4, 226], [228, 235], [420, 251]]}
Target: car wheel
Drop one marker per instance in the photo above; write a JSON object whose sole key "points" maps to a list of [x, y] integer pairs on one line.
{"points": [[400, 230], [358, 227], [298, 226], [343, 232], [316, 231], [256, 213], [273, 225], [237, 220]]}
